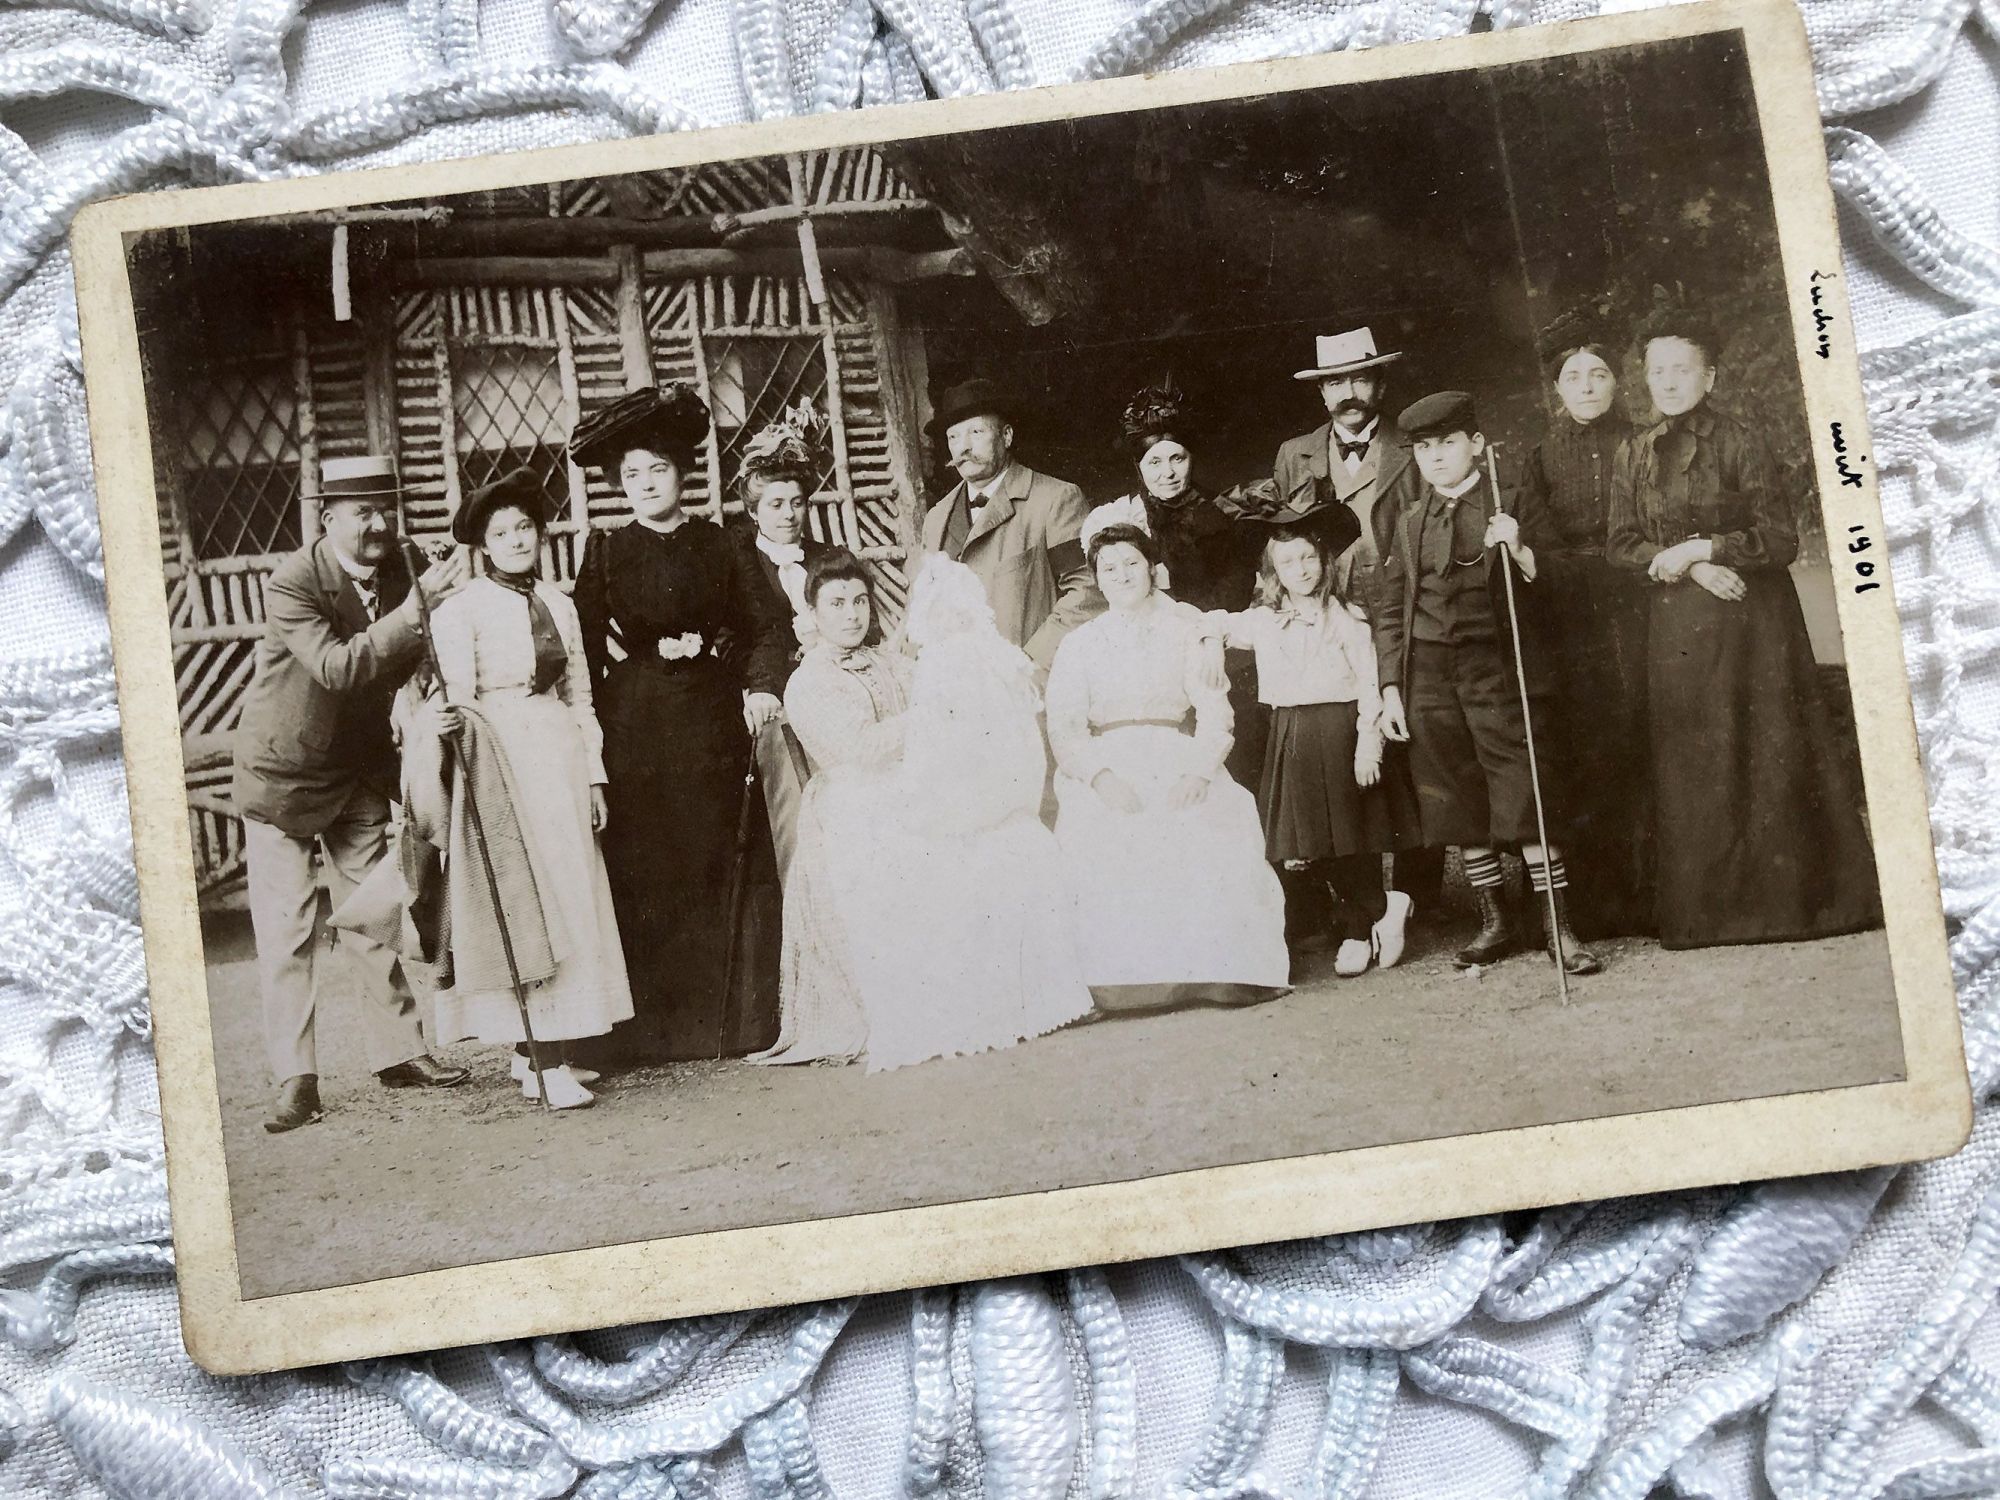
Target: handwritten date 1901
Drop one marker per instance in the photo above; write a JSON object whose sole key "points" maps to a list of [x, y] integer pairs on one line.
{"points": [[1863, 567]]}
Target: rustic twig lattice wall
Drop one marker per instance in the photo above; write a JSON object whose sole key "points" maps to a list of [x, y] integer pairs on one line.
{"points": [[474, 340]]}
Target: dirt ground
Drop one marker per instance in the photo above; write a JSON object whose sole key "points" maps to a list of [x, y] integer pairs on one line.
{"points": [[393, 1182]]}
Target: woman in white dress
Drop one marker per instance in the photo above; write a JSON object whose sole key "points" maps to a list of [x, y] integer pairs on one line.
{"points": [[1164, 851], [925, 916], [511, 650]]}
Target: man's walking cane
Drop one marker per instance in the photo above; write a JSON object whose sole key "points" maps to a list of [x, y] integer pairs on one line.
{"points": [[745, 827], [1528, 726], [410, 559]]}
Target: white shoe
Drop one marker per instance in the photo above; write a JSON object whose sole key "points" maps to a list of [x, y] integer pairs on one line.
{"points": [[1352, 959], [1387, 934], [565, 1092], [523, 1074]]}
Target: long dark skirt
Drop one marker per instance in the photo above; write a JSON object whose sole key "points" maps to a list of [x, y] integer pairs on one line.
{"points": [[1313, 809], [1593, 746], [675, 753], [1759, 835]]}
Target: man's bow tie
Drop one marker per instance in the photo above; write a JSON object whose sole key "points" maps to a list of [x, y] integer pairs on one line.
{"points": [[1351, 451]]}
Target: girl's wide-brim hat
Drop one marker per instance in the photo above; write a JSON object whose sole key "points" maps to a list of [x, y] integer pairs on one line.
{"points": [[1346, 354], [670, 419], [1260, 503], [519, 488]]}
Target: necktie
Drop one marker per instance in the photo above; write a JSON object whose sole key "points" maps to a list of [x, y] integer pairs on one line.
{"points": [[371, 598], [551, 660]]}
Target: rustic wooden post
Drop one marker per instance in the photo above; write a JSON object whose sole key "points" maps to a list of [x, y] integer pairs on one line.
{"points": [[579, 500], [905, 376], [308, 420], [447, 413], [629, 299]]}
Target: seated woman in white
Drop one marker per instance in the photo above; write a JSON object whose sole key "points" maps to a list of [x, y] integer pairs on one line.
{"points": [[925, 915], [846, 704], [1165, 852]]}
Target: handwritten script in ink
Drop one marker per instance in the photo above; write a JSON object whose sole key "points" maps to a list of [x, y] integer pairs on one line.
{"points": [[1843, 464], [1822, 319]]}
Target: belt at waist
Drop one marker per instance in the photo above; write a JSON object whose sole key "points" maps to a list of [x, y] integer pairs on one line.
{"points": [[1182, 725]]}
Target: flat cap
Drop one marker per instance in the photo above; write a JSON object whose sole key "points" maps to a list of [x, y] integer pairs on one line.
{"points": [[1437, 414]]}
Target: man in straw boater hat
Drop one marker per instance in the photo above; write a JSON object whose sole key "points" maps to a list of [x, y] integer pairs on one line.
{"points": [[1016, 529], [1352, 460], [316, 768]]}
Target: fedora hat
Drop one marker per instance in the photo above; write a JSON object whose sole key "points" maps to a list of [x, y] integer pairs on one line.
{"points": [[367, 477], [1345, 354], [976, 397]]}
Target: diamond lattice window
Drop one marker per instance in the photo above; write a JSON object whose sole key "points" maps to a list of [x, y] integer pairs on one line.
{"points": [[752, 381], [509, 412], [240, 460]]}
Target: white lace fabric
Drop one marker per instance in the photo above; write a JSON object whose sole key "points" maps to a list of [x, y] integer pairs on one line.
{"points": [[1823, 1340]]}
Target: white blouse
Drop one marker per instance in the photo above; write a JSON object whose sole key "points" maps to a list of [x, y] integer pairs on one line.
{"points": [[847, 707], [486, 649], [1318, 655], [1143, 664]]}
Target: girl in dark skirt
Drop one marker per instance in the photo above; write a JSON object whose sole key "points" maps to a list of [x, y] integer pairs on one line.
{"points": [[1759, 834], [1322, 805]]}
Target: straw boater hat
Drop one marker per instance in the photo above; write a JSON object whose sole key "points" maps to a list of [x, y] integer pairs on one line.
{"points": [[670, 419], [369, 477], [1345, 354]]}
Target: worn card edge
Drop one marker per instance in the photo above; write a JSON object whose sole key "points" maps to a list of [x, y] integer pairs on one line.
{"points": [[1927, 1114]]}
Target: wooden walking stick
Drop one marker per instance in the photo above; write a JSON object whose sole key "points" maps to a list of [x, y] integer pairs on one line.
{"points": [[1528, 726], [745, 829], [411, 557]]}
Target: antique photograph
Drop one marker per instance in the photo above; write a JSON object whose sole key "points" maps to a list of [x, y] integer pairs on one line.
{"points": [[1097, 642]]}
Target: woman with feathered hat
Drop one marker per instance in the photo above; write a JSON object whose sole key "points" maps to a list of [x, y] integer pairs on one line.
{"points": [[656, 597], [780, 470]]}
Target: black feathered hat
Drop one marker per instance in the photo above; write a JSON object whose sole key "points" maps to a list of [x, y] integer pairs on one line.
{"points": [[1158, 412], [670, 419]]}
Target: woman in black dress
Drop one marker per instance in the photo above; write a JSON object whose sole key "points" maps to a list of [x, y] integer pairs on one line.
{"points": [[1758, 825], [1596, 613], [659, 599], [1209, 562]]}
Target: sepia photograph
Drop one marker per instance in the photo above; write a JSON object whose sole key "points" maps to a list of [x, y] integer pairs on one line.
{"points": [[1112, 638]]}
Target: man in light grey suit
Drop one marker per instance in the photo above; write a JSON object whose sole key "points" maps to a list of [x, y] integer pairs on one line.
{"points": [[315, 770], [1015, 528]]}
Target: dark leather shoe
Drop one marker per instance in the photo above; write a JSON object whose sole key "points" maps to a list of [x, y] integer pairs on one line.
{"points": [[1495, 939], [298, 1104], [422, 1072], [1576, 959]]}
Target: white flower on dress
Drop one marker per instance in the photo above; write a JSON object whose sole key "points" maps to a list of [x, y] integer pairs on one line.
{"points": [[680, 647]]}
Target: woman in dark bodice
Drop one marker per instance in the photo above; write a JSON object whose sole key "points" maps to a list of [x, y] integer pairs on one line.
{"points": [[658, 599], [1757, 802], [1597, 614]]}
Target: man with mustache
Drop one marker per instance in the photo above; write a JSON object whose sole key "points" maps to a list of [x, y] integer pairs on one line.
{"points": [[1349, 460], [1015, 528]]}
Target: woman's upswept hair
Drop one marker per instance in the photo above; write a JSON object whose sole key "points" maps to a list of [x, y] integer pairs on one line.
{"points": [[836, 563], [1121, 532], [1269, 592]]}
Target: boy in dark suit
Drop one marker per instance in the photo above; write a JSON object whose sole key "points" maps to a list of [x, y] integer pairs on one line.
{"points": [[316, 769], [1444, 643]]}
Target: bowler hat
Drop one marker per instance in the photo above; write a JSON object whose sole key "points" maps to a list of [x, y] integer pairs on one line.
{"points": [[671, 419], [976, 397], [519, 488], [1437, 414]]}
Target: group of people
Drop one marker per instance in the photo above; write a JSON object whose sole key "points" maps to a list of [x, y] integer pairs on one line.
{"points": [[709, 806]]}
